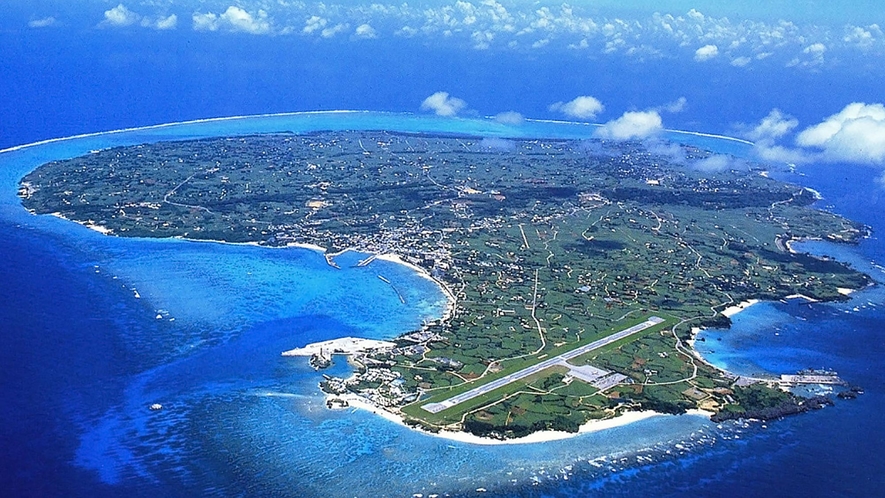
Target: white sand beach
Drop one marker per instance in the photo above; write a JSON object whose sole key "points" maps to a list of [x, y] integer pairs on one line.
{"points": [[734, 310]]}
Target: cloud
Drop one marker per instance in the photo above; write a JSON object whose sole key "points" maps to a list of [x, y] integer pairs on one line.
{"points": [[162, 23], [855, 134], [443, 105], [240, 20], [583, 107], [509, 118], [120, 16], [205, 22], [42, 23], [774, 126], [706, 53], [677, 105], [632, 125], [233, 19], [717, 162], [334, 30], [365, 31], [314, 23], [497, 144], [741, 61], [768, 131], [812, 56]]}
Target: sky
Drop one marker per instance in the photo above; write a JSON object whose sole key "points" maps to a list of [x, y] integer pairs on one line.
{"points": [[800, 78]]}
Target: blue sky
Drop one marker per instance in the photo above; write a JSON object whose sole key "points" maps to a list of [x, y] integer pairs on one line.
{"points": [[801, 78]]}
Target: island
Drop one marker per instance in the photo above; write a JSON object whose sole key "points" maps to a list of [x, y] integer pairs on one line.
{"points": [[577, 271]]}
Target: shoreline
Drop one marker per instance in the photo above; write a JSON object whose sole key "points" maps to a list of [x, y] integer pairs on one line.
{"points": [[221, 119], [626, 418], [737, 308]]}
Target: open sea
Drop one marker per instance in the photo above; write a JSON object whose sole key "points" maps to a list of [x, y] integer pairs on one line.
{"points": [[97, 328]]}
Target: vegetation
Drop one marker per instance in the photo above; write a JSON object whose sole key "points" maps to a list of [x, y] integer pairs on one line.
{"points": [[546, 245]]}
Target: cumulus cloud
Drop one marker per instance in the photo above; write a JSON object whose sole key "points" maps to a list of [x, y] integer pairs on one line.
{"points": [[510, 118], [233, 19], [334, 30], [365, 31], [768, 131], [855, 134], [812, 56], [314, 23], [240, 20], [583, 107], [774, 126], [677, 105], [706, 53], [120, 16], [443, 105], [741, 61], [632, 125], [42, 23], [205, 22], [162, 23]]}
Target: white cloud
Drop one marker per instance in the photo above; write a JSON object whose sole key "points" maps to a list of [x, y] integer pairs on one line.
{"points": [[718, 162], [509, 118], [443, 105], [677, 105], [365, 31], [234, 19], [120, 16], [205, 22], [855, 134], [779, 154], [741, 61], [314, 23], [812, 56], [240, 20], [497, 144], [162, 23], [334, 30], [583, 107], [42, 23], [706, 53], [633, 124], [774, 126]]}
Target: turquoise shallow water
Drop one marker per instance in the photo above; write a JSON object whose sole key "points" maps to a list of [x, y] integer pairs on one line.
{"points": [[204, 339]]}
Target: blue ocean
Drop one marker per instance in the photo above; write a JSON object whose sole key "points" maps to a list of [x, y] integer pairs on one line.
{"points": [[96, 329], [99, 328]]}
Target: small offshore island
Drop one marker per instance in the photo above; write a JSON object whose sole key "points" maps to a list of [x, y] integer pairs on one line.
{"points": [[577, 271]]}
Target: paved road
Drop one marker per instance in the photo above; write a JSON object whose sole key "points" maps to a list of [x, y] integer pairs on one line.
{"points": [[525, 372]]}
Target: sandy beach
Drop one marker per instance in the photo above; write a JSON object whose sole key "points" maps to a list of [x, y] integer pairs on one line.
{"points": [[536, 437], [734, 310]]}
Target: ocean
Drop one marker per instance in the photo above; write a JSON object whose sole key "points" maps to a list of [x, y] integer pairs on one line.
{"points": [[96, 329], [99, 328]]}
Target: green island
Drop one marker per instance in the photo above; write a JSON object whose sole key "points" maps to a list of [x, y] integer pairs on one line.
{"points": [[578, 270]]}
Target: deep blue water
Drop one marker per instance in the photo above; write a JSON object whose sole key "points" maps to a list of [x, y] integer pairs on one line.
{"points": [[60, 82], [84, 358]]}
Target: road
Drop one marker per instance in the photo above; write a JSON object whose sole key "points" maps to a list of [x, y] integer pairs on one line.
{"points": [[525, 372]]}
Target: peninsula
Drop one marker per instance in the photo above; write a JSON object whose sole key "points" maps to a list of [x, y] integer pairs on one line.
{"points": [[577, 270]]}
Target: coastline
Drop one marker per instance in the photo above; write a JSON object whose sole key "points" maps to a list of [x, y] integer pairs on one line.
{"points": [[621, 420], [737, 308]]}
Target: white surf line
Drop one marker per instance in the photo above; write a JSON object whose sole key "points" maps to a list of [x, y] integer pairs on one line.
{"points": [[307, 113], [179, 123], [711, 135], [668, 130]]}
